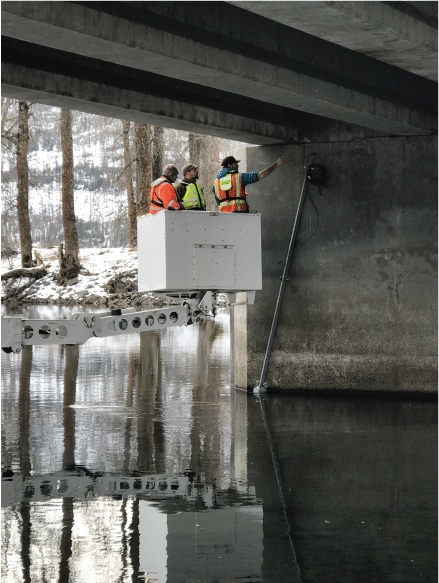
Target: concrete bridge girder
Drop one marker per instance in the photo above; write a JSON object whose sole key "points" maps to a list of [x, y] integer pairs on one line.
{"points": [[290, 72], [61, 91], [381, 30]]}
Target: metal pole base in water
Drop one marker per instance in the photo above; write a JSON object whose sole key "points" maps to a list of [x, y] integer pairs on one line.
{"points": [[260, 389], [260, 385]]}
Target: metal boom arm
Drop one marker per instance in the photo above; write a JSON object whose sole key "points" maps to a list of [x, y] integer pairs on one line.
{"points": [[18, 332]]}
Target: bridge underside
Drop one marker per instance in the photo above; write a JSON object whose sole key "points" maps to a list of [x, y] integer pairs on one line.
{"points": [[222, 69]]}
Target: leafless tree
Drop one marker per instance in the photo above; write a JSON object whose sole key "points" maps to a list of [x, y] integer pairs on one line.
{"points": [[195, 146], [22, 139], [205, 152], [143, 143], [132, 208], [15, 137], [103, 179], [6, 127], [158, 148], [211, 163], [70, 267]]}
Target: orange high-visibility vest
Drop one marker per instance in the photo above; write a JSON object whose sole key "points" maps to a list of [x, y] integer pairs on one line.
{"points": [[230, 192], [163, 196]]}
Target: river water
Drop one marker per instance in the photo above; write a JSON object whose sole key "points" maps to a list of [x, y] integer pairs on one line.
{"points": [[133, 459]]}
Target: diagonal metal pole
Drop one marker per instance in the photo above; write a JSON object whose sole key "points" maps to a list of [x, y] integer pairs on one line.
{"points": [[260, 386]]}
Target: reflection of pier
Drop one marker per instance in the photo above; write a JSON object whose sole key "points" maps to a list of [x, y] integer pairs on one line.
{"points": [[155, 487]]}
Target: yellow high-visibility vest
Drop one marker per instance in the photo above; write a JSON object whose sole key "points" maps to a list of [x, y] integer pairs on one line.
{"points": [[193, 197]]}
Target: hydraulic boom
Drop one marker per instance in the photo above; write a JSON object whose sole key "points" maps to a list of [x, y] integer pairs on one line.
{"points": [[18, 332]]}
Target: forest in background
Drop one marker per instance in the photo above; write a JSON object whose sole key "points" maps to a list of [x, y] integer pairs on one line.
{"points": [[100, 191]]}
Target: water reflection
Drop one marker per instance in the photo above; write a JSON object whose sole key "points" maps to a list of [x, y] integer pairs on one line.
{"points": [[132, 459], [24, 410], [360, 483], [206, 421]]}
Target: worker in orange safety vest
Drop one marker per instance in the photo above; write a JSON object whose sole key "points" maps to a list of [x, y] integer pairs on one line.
{"points": [[163, 195], [229, 185]]}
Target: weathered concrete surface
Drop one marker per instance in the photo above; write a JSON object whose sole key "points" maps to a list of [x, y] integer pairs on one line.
{"points": [[238, 55], [238, 340], [127, 94], [86, 84], [403, 34], [360, 310]]}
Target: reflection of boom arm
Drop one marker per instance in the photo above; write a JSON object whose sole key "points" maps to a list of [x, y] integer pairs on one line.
{"points": [[17, 332], [188, 488]]}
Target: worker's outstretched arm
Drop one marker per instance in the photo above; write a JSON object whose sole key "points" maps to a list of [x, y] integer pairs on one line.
{"points": [[269, 170]]}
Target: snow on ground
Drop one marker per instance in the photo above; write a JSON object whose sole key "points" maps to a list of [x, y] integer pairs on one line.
{"points": [[98, 267]]}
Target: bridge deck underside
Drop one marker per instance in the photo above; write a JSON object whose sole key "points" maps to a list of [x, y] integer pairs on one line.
{"points": [[216, 69]]}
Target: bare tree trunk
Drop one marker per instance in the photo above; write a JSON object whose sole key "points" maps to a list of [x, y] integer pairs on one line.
{"points": [[143, 141], [158, 148], [132, 208], [72, 266], [211, 164], [23, 184], [195, 148], [6, 104], [204, 151]]}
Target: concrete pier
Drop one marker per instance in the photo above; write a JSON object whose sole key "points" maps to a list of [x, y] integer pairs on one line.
{"points": [[360, 308]]}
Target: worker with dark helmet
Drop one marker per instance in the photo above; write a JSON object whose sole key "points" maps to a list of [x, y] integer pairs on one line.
{"points": [[229, 185], [190, 194], [163, 195]]}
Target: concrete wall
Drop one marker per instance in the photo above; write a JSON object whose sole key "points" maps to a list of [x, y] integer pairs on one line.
{"points": [[360, 309]]}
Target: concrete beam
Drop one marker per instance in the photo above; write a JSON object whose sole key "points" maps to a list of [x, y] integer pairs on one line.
{"points": [[126, 94], [57, 78], [403, 34], [233, 51]]}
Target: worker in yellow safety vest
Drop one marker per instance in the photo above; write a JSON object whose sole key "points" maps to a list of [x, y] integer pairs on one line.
{"points": [[190, 194], [229, 185]]}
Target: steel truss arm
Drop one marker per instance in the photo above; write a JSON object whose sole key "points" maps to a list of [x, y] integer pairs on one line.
{"points": [[17, 332]]}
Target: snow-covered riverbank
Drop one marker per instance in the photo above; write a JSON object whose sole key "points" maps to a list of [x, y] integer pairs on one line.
{"points": [[108, 278]]}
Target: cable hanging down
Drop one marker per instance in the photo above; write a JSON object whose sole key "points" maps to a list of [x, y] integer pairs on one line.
{"points": [[315, 174]]}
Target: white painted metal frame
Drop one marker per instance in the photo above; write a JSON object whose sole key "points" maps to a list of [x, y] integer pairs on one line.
{"points": [[18, 332]]}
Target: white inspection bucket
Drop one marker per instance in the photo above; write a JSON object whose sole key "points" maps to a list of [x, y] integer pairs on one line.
{"points": [[180, 251]]}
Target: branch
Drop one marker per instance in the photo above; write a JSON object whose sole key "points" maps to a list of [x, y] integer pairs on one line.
{"points": [[7, 133], [119, 176], [37, 272], [6, 103]]}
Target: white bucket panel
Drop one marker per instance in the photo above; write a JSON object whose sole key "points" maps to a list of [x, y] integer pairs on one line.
{"points": [[211, 264], [195, 250]]}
